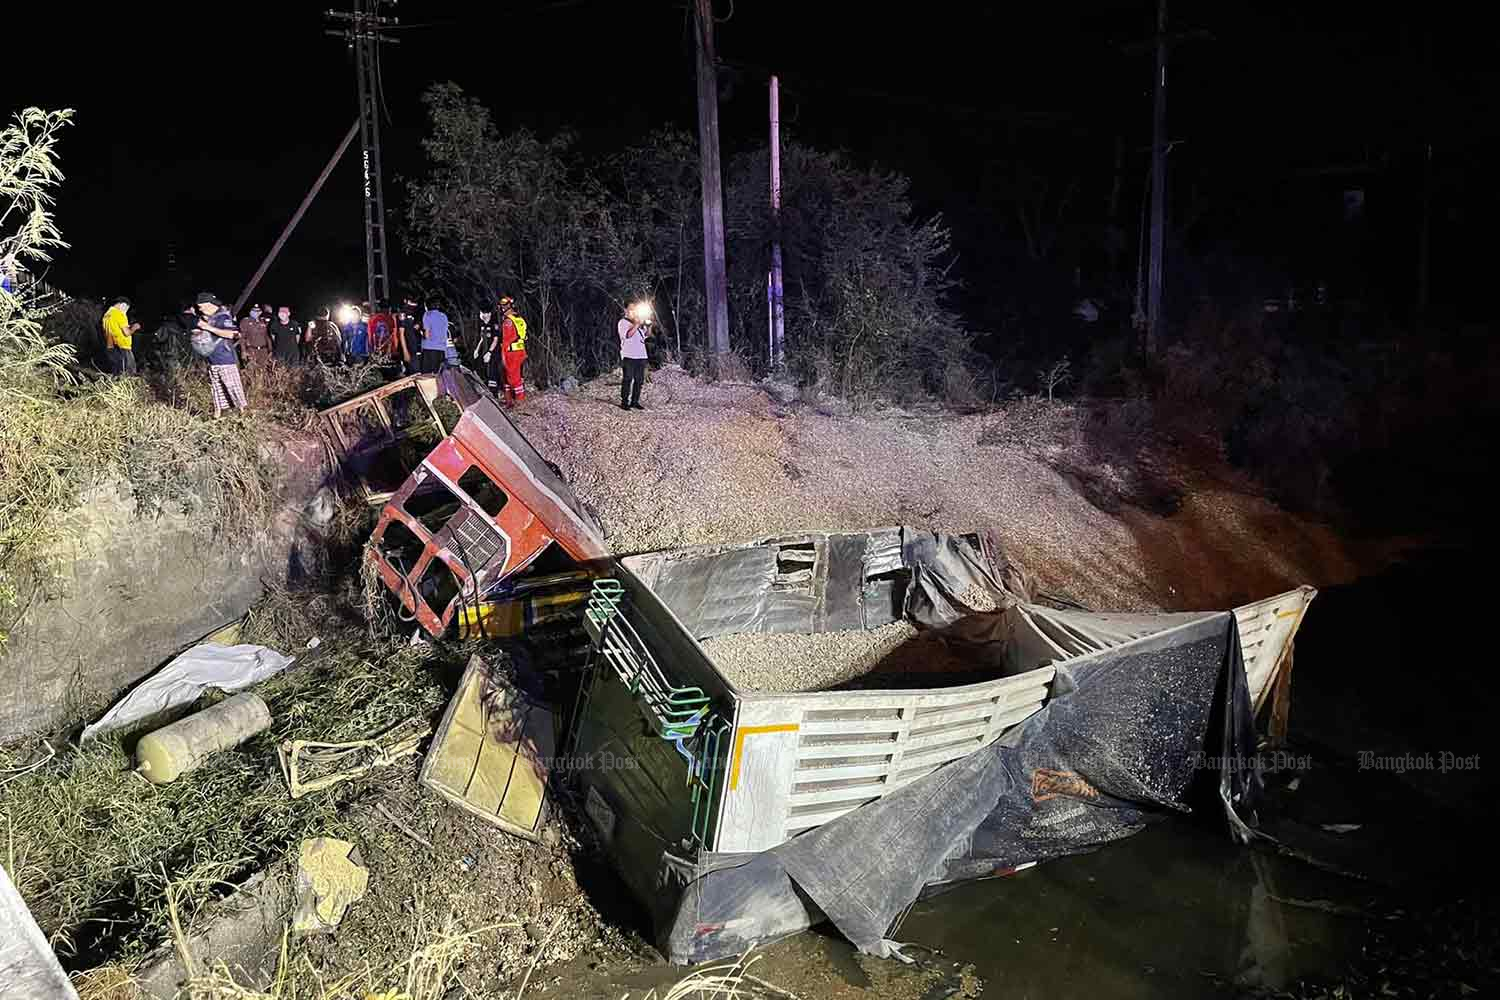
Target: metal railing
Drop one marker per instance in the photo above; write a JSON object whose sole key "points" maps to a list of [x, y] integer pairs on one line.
{"points": [[675, 711]]}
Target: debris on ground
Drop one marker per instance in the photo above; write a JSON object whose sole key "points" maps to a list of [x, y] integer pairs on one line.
{"points": [[311, 766], [330, 879], [168, 753], [493, 751], [181, 682]]}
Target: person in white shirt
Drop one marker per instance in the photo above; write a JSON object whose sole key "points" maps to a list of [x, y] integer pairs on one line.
{"points": [[634, 327]]}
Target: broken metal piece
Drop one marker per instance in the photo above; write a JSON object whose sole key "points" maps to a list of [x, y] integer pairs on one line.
{"points": [[492, 753], [401, 740]]}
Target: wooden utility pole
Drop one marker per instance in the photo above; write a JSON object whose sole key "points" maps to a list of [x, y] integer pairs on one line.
{"points": [[715, 284], [778, 314], [1158, 185]]}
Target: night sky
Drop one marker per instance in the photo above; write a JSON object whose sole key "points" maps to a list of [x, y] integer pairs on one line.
{"points": [[197, 133]]}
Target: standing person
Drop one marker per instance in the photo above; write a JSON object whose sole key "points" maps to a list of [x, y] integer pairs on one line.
{"points": [[512, 350], [284, 337], [356, 335], [322, 342], [223, 366], [634, 327], [435, 339], [255, 338], [383, 334], [487, 349], [409, 326], [118, 337]]}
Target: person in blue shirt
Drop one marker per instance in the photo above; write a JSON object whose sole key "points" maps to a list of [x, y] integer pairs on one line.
{"points": [[356, 334], [223, 363], [435, 339]]}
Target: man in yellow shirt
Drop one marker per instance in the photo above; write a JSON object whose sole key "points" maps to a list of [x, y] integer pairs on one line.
{"points": [[118, 337]]}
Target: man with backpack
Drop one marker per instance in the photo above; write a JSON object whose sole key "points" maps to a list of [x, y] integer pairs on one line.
{"points": [[214, 321]]}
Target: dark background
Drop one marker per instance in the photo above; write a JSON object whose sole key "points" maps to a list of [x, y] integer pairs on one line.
{"points": [[199, 129]]}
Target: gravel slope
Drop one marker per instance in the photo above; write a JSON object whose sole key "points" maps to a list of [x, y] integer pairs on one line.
{"points": [[708, 463]]}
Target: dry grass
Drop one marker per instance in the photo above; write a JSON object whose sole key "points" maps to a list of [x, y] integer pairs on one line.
{"points": [[56, 445], [93, 846], [431, 973]]}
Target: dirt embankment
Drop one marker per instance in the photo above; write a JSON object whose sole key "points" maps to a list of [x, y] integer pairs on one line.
{"points": [[714, 463]]}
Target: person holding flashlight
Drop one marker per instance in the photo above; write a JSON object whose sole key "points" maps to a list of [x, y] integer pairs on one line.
{"points": [[634, 327]]}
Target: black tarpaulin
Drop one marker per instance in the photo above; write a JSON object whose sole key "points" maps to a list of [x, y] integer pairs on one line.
{"points": [[1118, 745]]}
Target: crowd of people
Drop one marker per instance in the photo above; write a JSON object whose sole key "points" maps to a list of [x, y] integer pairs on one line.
{"points": [[411, 338]]}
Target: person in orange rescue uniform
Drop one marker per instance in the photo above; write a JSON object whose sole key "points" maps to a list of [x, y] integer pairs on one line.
{"points": [[512, 346]]}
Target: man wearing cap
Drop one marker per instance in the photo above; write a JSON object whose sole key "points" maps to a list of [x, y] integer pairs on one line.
{"points": [[255, 338], [223, 366], [118, 337]]}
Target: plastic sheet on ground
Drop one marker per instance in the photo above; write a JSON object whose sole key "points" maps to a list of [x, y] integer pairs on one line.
{"points": [[207, 665], [1118, 745], [28, 968]]}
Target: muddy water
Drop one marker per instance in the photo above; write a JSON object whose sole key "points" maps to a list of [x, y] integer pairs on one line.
{"points": [[1171, 912]]}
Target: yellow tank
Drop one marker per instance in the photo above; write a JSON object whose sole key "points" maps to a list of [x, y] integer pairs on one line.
{"points": [[172, 751]]}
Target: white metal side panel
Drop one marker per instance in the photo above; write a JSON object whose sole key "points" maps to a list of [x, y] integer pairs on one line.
{"points": [[1266, 630], [797, 761], [762, 758]]}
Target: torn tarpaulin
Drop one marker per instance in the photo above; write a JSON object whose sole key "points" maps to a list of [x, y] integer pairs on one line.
{"points": [[1116, 747]]}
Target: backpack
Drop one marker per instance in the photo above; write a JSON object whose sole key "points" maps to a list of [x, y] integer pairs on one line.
{"points": [[203, 343]]}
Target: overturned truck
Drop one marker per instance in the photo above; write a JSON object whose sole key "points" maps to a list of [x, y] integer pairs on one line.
{"points": [[828, 725]]}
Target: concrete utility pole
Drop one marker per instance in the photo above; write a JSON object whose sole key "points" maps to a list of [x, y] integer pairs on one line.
{"points": [[365, 35], [286, 233], [1158, 185], [777, 312], [715, 284]]}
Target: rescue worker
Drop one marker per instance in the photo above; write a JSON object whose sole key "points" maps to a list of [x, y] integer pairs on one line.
{"points": [[512, 347]]}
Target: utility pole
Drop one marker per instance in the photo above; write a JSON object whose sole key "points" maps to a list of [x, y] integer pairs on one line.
{"points": [[777, 312], [286, 233], [1424, 233], [715, 284], [364, 32], [1158, 185]]}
